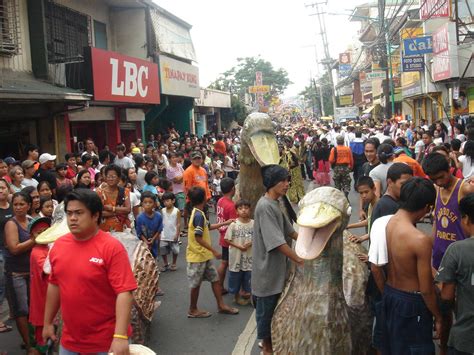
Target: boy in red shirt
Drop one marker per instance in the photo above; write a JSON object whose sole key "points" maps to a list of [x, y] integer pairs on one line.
{"points": [[225, 211], [38, 283], [95, 290]]}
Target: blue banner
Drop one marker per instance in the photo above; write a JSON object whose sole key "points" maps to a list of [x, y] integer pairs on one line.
{"points": [[418, 45], [344, 70]]}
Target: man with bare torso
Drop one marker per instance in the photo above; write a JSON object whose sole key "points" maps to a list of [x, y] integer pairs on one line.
{"points": [[409, 298]]}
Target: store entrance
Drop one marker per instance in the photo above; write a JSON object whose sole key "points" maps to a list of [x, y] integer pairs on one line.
{"points": [[15, 135], [96, 130]]}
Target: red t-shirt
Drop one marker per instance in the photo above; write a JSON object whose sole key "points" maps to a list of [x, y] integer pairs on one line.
{"points": [[90, 274], [225, 210], [70, 173], [38, 284]]}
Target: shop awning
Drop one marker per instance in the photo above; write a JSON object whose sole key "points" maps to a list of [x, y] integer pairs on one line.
{"points": [[18, 86]]}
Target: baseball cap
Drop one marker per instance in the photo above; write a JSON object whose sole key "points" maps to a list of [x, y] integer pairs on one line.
{"points": [[195, 155], [10, 160], [39, 222], [27, 164], [46, 157]]}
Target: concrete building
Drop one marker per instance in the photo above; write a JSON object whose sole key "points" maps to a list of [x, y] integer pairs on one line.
{"points": [[72, 69]]}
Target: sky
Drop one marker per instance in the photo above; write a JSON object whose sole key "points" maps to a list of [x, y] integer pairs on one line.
{"points": [[281, 32]]}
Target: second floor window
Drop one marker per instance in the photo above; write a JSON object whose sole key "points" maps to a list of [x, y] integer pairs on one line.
{"points": [[68, 32], [9, 27]]}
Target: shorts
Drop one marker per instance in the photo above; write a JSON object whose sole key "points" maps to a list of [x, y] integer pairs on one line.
{"points": [[407, 324], [167, 247], [180, 201], [18, 292], [225, 254], [239, 280], [199, 272], [265, 306]]}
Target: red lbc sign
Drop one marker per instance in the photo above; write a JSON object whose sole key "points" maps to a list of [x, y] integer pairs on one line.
{"points": [[121, 78]]}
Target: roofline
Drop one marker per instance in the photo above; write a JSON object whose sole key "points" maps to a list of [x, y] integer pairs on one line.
{"points": [[167, 13]]}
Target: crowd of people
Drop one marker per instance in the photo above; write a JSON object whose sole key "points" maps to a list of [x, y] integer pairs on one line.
{"points": [[164, 190]]}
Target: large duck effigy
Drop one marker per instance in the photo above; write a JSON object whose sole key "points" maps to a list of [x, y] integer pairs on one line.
{"points": [[312, 316]]}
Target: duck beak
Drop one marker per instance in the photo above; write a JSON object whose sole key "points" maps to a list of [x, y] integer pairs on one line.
{"points": [[264, 148], [317, 223]]}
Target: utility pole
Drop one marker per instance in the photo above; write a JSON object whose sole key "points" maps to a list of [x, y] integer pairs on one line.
{"points": [[323, 111], [327, 61]]}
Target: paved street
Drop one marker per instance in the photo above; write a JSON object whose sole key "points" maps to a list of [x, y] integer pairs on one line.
{"points": [[174, 333]]}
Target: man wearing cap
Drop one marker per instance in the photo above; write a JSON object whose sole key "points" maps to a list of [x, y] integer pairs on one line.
{"points": [[270, 251], [342, 162], [46, 170], [402, 157], [196, 175], [29, 170]]}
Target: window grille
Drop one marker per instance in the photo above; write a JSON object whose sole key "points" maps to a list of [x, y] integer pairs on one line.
{"points": [[68, 32], [9, 28]]}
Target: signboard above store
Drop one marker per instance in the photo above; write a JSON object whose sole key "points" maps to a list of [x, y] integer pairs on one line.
{"points": [[375, 75], [414, 63], [445, 53], [434, 9], [417, 45], [119, 78], [179, 78]]}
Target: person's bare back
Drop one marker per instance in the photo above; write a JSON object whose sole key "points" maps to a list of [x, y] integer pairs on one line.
{"points": [[409, 253]]}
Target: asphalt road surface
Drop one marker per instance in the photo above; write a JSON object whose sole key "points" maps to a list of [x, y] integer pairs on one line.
{"points": [[173, 333]]}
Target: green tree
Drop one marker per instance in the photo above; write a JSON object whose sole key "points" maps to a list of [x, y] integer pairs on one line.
{"points": [[240, 77], [312, 94]]}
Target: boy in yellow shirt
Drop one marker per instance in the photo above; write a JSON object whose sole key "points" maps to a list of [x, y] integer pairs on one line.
{"points": [[199, 255]]}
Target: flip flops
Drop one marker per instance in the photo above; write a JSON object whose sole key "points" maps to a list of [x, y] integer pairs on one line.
{"points": [[173, 267], [5, 328], [204, 314]]}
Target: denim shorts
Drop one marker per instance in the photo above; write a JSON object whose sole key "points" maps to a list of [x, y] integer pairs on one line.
{"points": [[239, 280], [265, 306], [18, 293]]}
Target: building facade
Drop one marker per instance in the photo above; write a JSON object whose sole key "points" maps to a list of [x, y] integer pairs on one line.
{"points": [[73, 69]]}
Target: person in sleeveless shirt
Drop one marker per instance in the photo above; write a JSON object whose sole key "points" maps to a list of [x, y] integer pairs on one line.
{"points": [[169, 243], [447, 227], [6, 212], [17, 262]]}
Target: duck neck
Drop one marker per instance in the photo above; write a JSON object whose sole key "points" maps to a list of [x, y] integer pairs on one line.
{"points": [[326, 270]]}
